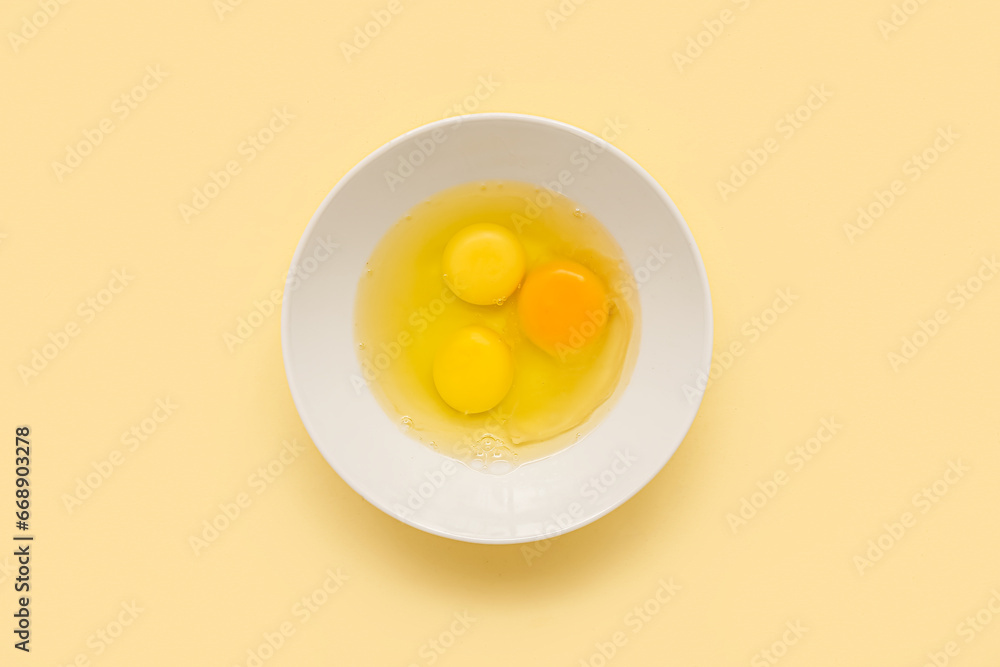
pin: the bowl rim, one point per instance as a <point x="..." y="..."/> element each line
<point x="702" y="275"/>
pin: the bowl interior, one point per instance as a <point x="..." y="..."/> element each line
<point x="420" y="486"/>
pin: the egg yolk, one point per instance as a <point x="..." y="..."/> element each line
<point x="562" y="307"/>
<point x="473" y="370"/>
<point x="483" y="263"/>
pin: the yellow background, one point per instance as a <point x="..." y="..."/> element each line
<point x="163" y="335"/>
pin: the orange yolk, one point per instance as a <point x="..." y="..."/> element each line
<point x="562" y="306"/>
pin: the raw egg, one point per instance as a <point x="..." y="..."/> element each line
<point x="562" y="306"/>
<point x="483" y="263"/>
<point x="496" y="322"/>
<point x="473" y="370"/>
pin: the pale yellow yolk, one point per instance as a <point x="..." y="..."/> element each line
<point x="473" y="370"/>
<point x="562" y="307"/>
<point x="483" y="263"/>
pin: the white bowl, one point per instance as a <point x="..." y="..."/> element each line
<point x="420" y="486"/>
